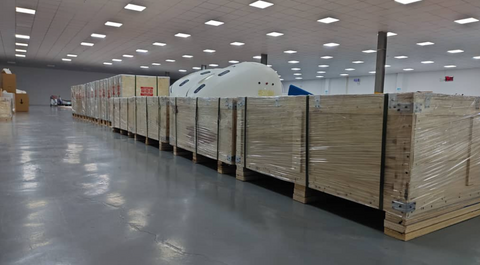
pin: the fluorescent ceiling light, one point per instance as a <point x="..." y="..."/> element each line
<point x="455" y="51"/>
<point x="298" y="78"/>
<point x="450" y="66"/>
<point x="324" y="66"/>
<point x="135" y="7"/>
<point x="476" y="57"/>
<point x="275" y="34"/>
<point x="182" y="35"/>
<point x="293" y="62"/>
<point x="321" y="72"/>
<point x="25" y="10"/>
<point x="21" y="44"/>
<point x="113" y="24"/>
<point x="170" y="60"/>
<point x="350" y="69"/>
<point x="427" y="62"/>
<point x="187" y="56"/>
<point x="128" y="56"/>
<point x="391" y="34"/>
<point x="72" y="55"/>
<point x="236" y="43"/>
<point x="401" y="57"/>
<point x="182" y="70"/>
<point x="408" y="69"/>
<point x="19" y="36"/>
<point x="20" y="50"/>
<point x="159" y="44"/>
<point x="233" y="61"/>
<point x="466" y="20"/>
<point x="372" y="72"/>
<point x="387" y="66"/>
<point x="141" y="51"/>
<point x="269" y="65"/>
<point x="87" y="44"/>
<point x="257" y="57"/>
<point x="156" y="64"/>
<point x="107" y="63"/>
<point x="343" y="74"/>
<point x="331" y="44"/>
<point x="319" y="76"/>
<point x="197" y="68"/>
<point x="297" y="74"/>
<point x="426" y="43"/>
<point x="117" y="60"/>
<point x="100" y="36"/>
<point x="66" y="60"/>
<point x="144" y="67"/>
<point x="290" y="52"/>
<point x="261" y="4"/>
<point x="326" y="57"/>
<point x="358" y="62"/>
<point x="281" y="79"/>
<point x="20" y="55"/>
<point x="328" y="20"/>
<point x="406" y="2"/>
<point x="213" y="65"/>
<point x="296" y="69"/>
<point x="214" y="23"/>
<point x="369" y="51"/>
<point x="209" y="51"/>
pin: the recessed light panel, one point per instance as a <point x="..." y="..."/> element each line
<point x="466" y="20"/>
<point x="197" y="68"/>
<point x="296" y="69"/>
<point x="215" y="23"/>
<point x="209" y="51"/>
<point x="133" y="7"/>
<point x="331" y="44"/>
<point x="128" y="56"/>
<point x="401" y="57"/>
<point x="391" y="34"/>
<point x="144" y="67"/>
<point x="326" y="57"/>
<point x="21" y="44"/>
<point x="170" y="60"/>
<point x="72" y="55"/>
<point x="290" y="52"/>
<point x="25" y="10"/>
<point x="20" y="50"/>
<point x="350" y="69"/>
<point x="369" y="51"/>
<point x="257" y="57"/>
<point x="298" y="78"/>
<point x="428" y="62"/>
<point x="182" y="35"/>
<point x="141" y="51"/>
<point x="261" y="4"/>
<point x="20" y="55"/>
<point x="319" y="76"/>
<point x="476" y="57"/>
<point x="19" y="36"/>
<point x="275" y="34"/>
<point x="343" y="74"/>
<point x="357" y="62"/>
<point x="107" y="63"/>
<point x="406" y="2"/>
<point x="328" y="20"/>
<point x="297" y="74"/>
<point x="187" y="56"/>
<point x="450" y="66"/>
<point x="387" y="66"/>
<point x="87" y="44"/>
<point x="100" y="36"/>
<point x="182" y="70"/>
<point x="425" y="43"/>
<point x="321" y="72"/>
<point x="117" y="60"/>
<point x="66" y="60"/>
<point x="455" y="51"/>
<point x="372" y="72"/>
<point x="233" y="61"/>
<point x="161" y="44"/>
<point x="113" y="24"/>
<point x="236" y="43"/>
<point x="213" y="65"/>
<point x="324" y="66"/>
<point x="408" y="69"/>
<point x="156" y="64"/>
<point x="293" y="62"/>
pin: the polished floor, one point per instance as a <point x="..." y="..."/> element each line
<point x="76" y="193"/>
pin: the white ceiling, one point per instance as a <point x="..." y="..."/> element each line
<point x="59" y="27"/>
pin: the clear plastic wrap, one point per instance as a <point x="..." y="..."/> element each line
<point x="6" y="108"/>
<point x="345" y="146"/>
<point x="132" y="115"/>
<point x="96" y="86"/>
<point x="272" y="139"/>
<point x="91" y="100"/>
<point x="432" y="155"/>
<point x="111" y="111"/>
<point x="153" y="118"/>
<point x="124" y="114"/>
<point x="172" y="106"/>
<point x="141" y="116"/>
<point x="165" y="119"/>
<point x="104" y="97"/>
<point x="83" y="98"/>
<point x="207" y="127"/>
<point x="185" y="125"/>
<point x="116" y="113"/>
<point x="73" y="98"/>
<point x="227" y="130"/>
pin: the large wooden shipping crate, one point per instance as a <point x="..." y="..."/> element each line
<point x="132" y="115"/>
<point x="432" y="163"/>
<point x="97" y="101"/>
<point x="146" y="86"/>
<point x="116" y="113"/>
<point x="165" y="119"/>
<point x="124" y="86"/>
<point x="153" y="118"/>
<point x="83" y="100"/>
<point x="227" y="130"/>
<point x="141" y="116"/>
<point x="105" y="100"/>
<point x="123" y="114"/>
<point x="91" y="100"/>
<point x="163" y="86"/>
<point x="345" y="146"/>
<point x="207" y="127"/>
<point x="271" y="138"/>
<point x="183" y="124"/>
<point x="111" y="111"/>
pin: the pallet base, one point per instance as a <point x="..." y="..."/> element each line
<point x="140" y="138"/>
<point x="224" y="168"/>
<point x="5" y="119"/>
<point x="130" y="135"/>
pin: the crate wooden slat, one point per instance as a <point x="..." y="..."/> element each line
<point x="207" y="127"/>
<point x="345" y="146"/>
<point x="227" y="131"/>
<point x="111" y="111"/>
<point x="141" y="116"/>
<point x="163" y="86"/>
<point x="431" y="158"/>
<point x="153" y="118"/>
<point x="184" y="123"/>
<point x="164" y="119"/>
<point x="132" y="115"/>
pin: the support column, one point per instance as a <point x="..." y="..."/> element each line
<point x="264" y="59"/>
<point x="204" y="67"/>
<point x="381" y="61"/>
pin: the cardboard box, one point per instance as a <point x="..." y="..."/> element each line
<point x="9" y="82"/>
<point x="21" y="103"/>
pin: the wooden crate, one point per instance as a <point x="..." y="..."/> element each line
<point x="271" y="139"/>
<point x="153" y="118"/>
<point x="163" y="86"/>
<point x="111" y="111"/>
<point x="172" y="106"/>
<point x="432" y="155"/>
<point x="165" y="119"/>
<point x="123" y="114"/>
<point x="132" y="116"/>
<point x="146" y="86"/>
<point x="227" y="131"/>
<point x="185" y="123"/>
<point x="141" y="116"/>
<point x="345" y="146"/>
<point x="207" y="127"/>
<point x="117" y="113"/>
<point x="124" y="86"/>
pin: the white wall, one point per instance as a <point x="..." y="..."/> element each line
<point x="41" y="83"/>
<point x="465" y="82"/>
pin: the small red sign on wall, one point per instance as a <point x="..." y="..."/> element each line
<point x="448" y="78"/>
<point x="146" y="91"/>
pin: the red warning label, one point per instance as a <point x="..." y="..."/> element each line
<point x="146" y="91"/>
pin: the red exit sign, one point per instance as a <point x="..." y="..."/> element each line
<point x="448" y="78"/>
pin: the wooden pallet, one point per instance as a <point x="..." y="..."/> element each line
<point x="222" y="168"/>
<point x="5" y="119"/>
<point x="140" y="138"/>
<point x="130" y="135"/>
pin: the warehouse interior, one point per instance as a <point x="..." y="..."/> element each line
<point x="239" y="132"/>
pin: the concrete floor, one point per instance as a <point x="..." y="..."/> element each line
<point x="75" y="193"/>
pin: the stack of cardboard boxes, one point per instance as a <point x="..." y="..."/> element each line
<point x="8" y="82"/>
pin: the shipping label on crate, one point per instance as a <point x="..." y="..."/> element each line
<point x="146" y="91"/>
